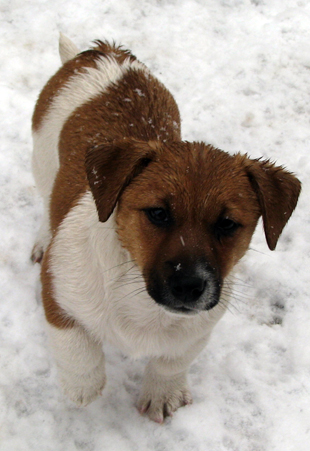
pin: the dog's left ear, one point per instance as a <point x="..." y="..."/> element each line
<point x="112" y="166"/>
<point x="277" y="191"/>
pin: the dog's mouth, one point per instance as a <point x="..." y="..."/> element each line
<point x="182" y="310"/>
<point x="189" y="311"/>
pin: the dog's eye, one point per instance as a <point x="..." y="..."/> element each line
<point x="158" y="216"/>
<point x="226" y="227"/>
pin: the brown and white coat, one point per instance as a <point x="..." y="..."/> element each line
<point x="107" y="148"/>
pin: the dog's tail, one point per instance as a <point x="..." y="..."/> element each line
<point x="67" y="50"/>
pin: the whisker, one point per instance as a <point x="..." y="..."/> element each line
<point x="240" y="289"/>
<point x="230" y="306"/>
<point x="132" y="273"/>
<point x="239" y="281"/>
<point x="131" y="276"/>
<point x="139" y="292"/>
<point x="236" y="299"/>
<point x="236" y="294"/>
<point x="124" y="274"/>
<point x="129" y="283"/>
<point x="237" y="288"/>
<point x="133" y="293"/>
<point x="120" y="264"/>
<point x="128" y="277"/>
<point x="259" y="252"/>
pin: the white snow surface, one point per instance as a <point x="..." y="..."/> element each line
<point x="240" y="72"/>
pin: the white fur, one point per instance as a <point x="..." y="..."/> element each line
<point x="96" y="283"/>
<point x="165" y="387"/>
<point x="67" y="50"/>
<point x="80" y="363"/>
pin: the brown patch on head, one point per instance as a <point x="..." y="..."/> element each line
<point x="192" y="208"/>
<point x="186" y="211"/>
<point x="201" y="188"/>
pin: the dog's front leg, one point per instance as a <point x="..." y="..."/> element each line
<point x="165" y="387"/>
<point x="80" y="362"/>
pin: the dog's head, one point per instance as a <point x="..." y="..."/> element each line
<point x="186" y="212"/>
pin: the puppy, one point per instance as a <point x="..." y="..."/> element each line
<point x="140" y="229"/>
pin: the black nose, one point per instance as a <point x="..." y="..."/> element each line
<point x="187" y="289"/>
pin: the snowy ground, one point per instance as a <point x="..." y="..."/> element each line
<point x="240" y="72"/>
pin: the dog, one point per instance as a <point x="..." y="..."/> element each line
<point x="140" y="229"/>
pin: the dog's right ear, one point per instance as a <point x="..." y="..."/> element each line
<point x="112" y="166"/>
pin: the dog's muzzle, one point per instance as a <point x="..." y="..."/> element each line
<point x="183" y="288"/>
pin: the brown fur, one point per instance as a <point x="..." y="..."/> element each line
<point x="107" y="117"/>
<point x="198" y="191"/>
<point x="200" y="185"/>
<point x="118" y="52"/>
<point x="125" y="145"/>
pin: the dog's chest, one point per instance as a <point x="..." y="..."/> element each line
<point x="95" y="282"/>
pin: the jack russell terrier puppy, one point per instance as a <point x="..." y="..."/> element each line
<point x="140" y="228"/>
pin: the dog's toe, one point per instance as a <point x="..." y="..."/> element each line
<point x="158" y="408"/>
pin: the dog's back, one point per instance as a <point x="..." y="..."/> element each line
<point x="97" y="96"/>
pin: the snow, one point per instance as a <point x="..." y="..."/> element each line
<point x="240" y="72"/>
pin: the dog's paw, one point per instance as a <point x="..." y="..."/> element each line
<point x="83" y="389"/>
<point x="160" y="399"/>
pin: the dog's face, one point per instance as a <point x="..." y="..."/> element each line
<point x="186" y="213"/>
<point x="186" y="220"/>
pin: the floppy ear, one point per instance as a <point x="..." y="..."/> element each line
<point x="277" y="191"/>
<point x="111" y="167"/>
